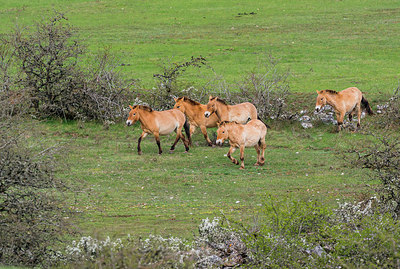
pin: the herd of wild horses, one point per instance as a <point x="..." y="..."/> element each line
<point x="237" y="123"/>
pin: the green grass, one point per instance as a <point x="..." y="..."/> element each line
<point x="121" y="192"/>
<point x="325" y="44"/>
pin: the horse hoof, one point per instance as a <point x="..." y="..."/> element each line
<point x="139" y="153"/>
<point x="241" y="168"/>
<point x="256" y="164"/>
<point x="170" y="152"/>
<point x="186" y="151"/>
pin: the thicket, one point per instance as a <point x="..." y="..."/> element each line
<point x="32" y="212"/>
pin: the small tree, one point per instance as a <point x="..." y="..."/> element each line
<point x="48" y="58"/>
<point x="167" y="88"/>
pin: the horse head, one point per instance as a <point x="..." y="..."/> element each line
<point x="321" y="101"/>
<point x="222" y="133"/>
<point x="179" y="104"/>
<point x="133" y="115"/>
<point x="211" y="106"/>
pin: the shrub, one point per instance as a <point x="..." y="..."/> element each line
<point x="105" y="95"/>
<point x="308" y="234"/>
<point x="393" y="108"/>
<point x="31" y="209"/>
<point x="49" y="61"/>
<point x="161" y="96"/>
<point x="382" y="158"/>
<point x="48" y="58"/>
<point x="267" y="89"/>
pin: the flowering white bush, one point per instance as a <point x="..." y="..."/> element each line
<point x="88" y="247"/>
<point x="347" y="212"/>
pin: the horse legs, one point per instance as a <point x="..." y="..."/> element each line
<point x="229" y="155"/>
<point x="143" y="135"/>
<point x="262" y="146"/>
<point x="181" y="136"/>
<point x="242" y="157"/>
<point x="359" y="115"/>
<point x="175" y="142"/>
<point x="157" y="137"/>
<point x="257" y="147"/>
<point x="204" y="131"/>
<point x="339" y="118"/>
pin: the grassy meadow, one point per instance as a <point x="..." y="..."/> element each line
<point x="324" y="44"/>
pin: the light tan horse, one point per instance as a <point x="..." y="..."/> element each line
<point x="346" y="101"/>
<point x="240" y="113"/>
<point x="243" y="135"/>
<point x="194" y="111"/>
<point x="159" y="123"/>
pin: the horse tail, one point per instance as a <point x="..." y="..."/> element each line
<point x="258" y="118"/>
<point x="366" y="105"/>
<point x="187" y="131"/>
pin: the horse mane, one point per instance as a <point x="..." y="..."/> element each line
<point x="219" y="100"/>
<point x="188" y="100"/>
<point x="146" y="108"/>
<point x="330" y="91"/>
<point x="228" y="122"/>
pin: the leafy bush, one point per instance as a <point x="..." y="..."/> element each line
<point x="31" y="209"/>
<point x="308" y="234"/>
<point x="49" y="61"/>
<point x="48" y="58"/>
<point x="392" y="113"/>
<point x="382" y="158"/>
<point x="267" y="89"/>
<point x="161" y="96"/>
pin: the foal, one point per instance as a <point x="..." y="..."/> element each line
<point x="159" y="123"/>
<point x="243" y="135"/>
<point x="240" y="113"/>
<point x="194" y="111"/>
<point x="346" y="101"/>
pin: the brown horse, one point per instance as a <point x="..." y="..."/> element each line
<point x="243" y="135"/>
<point x="159" y="123"/>
<point x="346" y="101"/>
<point x="194" y="111"/>
<point x="240" y="113"/>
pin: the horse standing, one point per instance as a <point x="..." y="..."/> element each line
<point x="159" y="123"/>
<point x="240" y="113"/>
<point x="194" y="111"/>
<point x="244" y="135"/>
<point x="346" y="101"/>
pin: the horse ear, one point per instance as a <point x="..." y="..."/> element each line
<point x="211" y="97"/>
<point x="175" y="99"/>
<point x="130" y="106"/>
<point x="318" y="91"/>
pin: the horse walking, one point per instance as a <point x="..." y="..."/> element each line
<point x="346" y="101"/>
<point x="194" y="111"/>
<point x="244" y="135"/>
<point x="159" y="123"/>
<point x="240" y="113"/>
